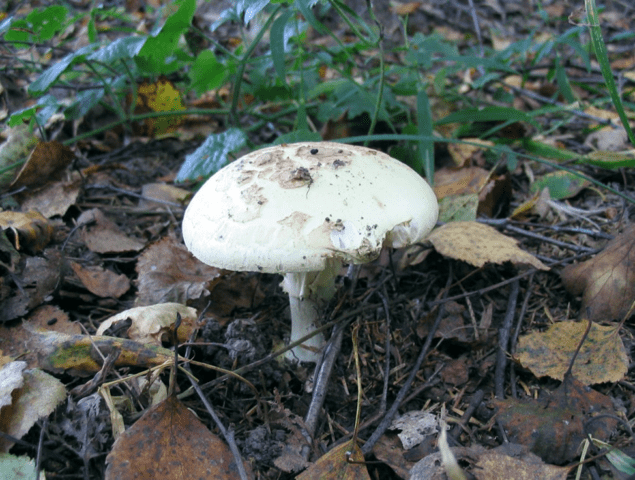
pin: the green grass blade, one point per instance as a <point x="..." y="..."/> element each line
<point x="602" y="56"/>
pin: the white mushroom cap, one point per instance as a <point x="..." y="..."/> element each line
<point x="290" y="208"/>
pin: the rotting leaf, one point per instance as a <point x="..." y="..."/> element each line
<point x="160" y="96"/>
<point x="554" y="425"/>
<point x="169" y="442"/>
<point x="478" y="244"/>
<point x="153" y="323"/>
<point x="80" y="354"/>
<point x="334" y="465"/>
<point x="607" y="281"/>
<point x="602" y="357"/>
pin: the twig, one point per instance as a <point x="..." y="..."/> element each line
<point x="503" y="341"/>
<point x="476" y="400"/>
<point x="512" y="346"/>
<point x="385" y="423"/>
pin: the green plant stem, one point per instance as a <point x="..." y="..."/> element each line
<point x="118" y="108"/>
<point x="243" y="63"/>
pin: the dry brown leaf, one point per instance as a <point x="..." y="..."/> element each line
<point x="606" y="282"/>
<point x="47" y="162"/>
<point x="162" y="192"/>
<point x="55" y="198"/>
<point x="154" y="323"/>
<point x="516" y="462"/>
<point x="463" y="154"/>
<point x="101" y="282"/>
<point x="602" y="357"/>
<point x="478" y="244"/>
<point x="167" y="272"/>
<point x="334" y="465"/>
<point x="169" y="442"/>
<point x="28" y="231"/>
<point x="103" y="236"/>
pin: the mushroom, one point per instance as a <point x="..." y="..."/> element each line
<point x="303" y="210"/>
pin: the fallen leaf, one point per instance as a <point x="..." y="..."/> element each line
<point x="414" y="426"/>
<point x="21" y="467"/>
<point x="478" y="244"/>
<point x="47" y="162"/>
<point x="602" y="357"/>
<point x="29" y="230"/>
<point x="163" y="193"/>
<point x="101" y="282"/>
<point x="560" y="184"/>
<point x="154" y="323"/>
<point x="464" y="154"/>
<point x="607" y="281"/>
<point x="458" y="208"/>
<point x="54" y="198"/>
<point x="103" y="236"/>
<point x="515" y="462"/>
<point x="38" y="279"/>
<point x="36" y="398"/>
<point x="335" y="465"/>
<point x="159" y="96"/>
<point x="553" y="426"/>
<point x="431" y="467"/>
<point x="169" y="442"/>
<point x="81" y="355"/>
<point x="167" y="272"/>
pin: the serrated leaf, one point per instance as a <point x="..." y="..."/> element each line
<point x="212" y="155"/>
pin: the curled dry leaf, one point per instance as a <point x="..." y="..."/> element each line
<point x="478" y="244"/>
<point x="602" y="357"/>
<point x="516" y="462"/>
<point x="606" y="282"/>
<point x="169" y="442"/>
<point x="28" y="231"/>
<point x="152" y="324"/>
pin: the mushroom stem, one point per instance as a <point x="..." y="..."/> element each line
<point x="308" y="293"/>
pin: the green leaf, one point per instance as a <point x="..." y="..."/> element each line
<point x="610" y="160"/>
<point x="47" y="22"/>
<point x="121" y="49"/>
<point x="251" y="8"/>
<point x="158" y="55"/>
<point x="561" y="184"/>
<point x="278" y="40"/>
<point x="51" y="74"/>
<point x="212" y="155"/>
<point x="207" y="73"/>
